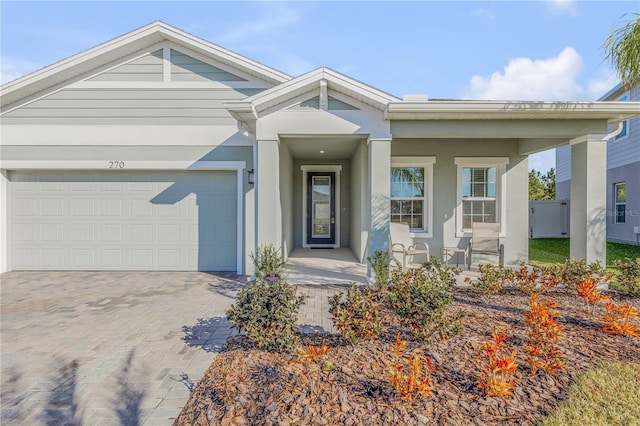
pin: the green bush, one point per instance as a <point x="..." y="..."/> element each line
<point x="493" y="278"/>
<point x="422" y="296"/>
<point x="573" y="272"/>
<point x="380" y="264"/>
<point x="629" y="276"/>
<point x="267" y="260"/>
<point x="358" y="316"/>
<point x="267" y="312"/>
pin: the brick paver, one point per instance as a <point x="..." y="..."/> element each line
<point x="116" y="347"/>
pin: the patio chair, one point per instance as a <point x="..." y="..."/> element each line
<point x="485" y="239"/>
<point x="402" y="243"/>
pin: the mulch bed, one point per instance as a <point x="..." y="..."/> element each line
<point x="245" y="385"/>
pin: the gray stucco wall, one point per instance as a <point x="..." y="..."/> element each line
<point x="359" y="203"/>
<point x="445" y="190"/>
<point x="286" y="198"/>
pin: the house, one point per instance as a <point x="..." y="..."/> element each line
<point x="622" y="174"/>
<point x="162" y="151"/>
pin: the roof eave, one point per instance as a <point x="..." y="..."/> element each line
<point x="485" y="110"/>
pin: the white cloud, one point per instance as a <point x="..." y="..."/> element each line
<point x="561" y="7"/>
<point x="553" y="79"/>
<point x="11" y="69"/>
<point x="268" y="36"/>
<point x="604" y="81"/>
<point x="481" y="12"/>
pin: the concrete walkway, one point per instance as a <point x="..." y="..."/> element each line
<point x="121" y="348"/>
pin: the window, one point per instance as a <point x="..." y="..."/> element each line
<point x="481" y="186"/>
<point x="411" y="189"/>
<point x="478" y="195"/>
<point x="620" y="202"/>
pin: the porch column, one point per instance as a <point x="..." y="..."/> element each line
<point x="267" y="187"/>
<point x="588" y="199"/>
<point x="379" y="192"/>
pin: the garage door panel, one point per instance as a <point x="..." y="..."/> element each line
<point x="126" y="221"/>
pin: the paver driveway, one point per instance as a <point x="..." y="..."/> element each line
<point x="108" y="347"/>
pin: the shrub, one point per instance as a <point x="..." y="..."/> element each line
<point x="543" y="333"/>
<point x="573" y="272"/>
<point x="629" y="276"/>
<point x="380" y="264"/>
<point x="267" y="312"/>
<point x="541" y="280"/>
<point x="357" y="316"/>
<point x="407" y="377"/>
<point x="616" y="320"/>
<point x="497" y="365"/>
<point x="588" y="290"/>
<point x="267" y="260"/>
<point x="493" y="278"/>
<point x="421" y="298"/>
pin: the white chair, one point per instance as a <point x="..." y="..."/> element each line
<point x="485" y="239"/>
<point x="402" y="243"/>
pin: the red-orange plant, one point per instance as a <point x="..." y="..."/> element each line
<point x="588" y="290"/>
<point x="414" y="382"/>
<point x="544" y="331"/>
<point x="497" y="366"/>
<point x="616" y="320"/>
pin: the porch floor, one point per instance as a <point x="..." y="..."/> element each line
<point x="324" y="266"/>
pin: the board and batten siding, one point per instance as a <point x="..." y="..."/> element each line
<point x="135" y="93"/>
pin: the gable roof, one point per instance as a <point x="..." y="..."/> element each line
<point x="249" y="109"/>
<point x="122" y="46"/>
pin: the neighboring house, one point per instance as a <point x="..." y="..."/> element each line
<point x="623" y="173"/>
<point x="161" y="151"/>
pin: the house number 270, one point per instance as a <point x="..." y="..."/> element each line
<point x="116" y="164"/>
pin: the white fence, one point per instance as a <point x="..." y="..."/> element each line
<point x="549" y="219"/>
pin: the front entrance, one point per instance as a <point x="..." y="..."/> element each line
<point x="321" y="208"/>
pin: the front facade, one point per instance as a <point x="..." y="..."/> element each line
<point x="623" y="173"/>
<point x="161" y="151"/>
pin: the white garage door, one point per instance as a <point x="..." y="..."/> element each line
<point x="124" y="221"/>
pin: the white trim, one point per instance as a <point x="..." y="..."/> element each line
<point x="427" y="163"/>
<point x="239" y="221"/>
<point x="500" y="163"/>
<point x="166" y="64"/>
<point x="115" y="166"/>
<point x="320" y="168"/>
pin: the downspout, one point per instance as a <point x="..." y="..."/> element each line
<point x="616" y="132"/>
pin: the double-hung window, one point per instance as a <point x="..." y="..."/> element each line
<point x="620" y="202"/>
<point x="481" y="188"/>
<point x="411" y="192"/>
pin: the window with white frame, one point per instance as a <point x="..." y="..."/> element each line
<point x="620" y="202"/>
<point x="411" y="192"/>
<point x="481" y="186"/>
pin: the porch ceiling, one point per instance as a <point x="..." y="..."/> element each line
<point x="335" y="148"/>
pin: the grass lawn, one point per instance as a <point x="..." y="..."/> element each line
<point x="556" y="250"/>
<point x="608" y="394"/>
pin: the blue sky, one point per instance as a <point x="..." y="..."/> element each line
<point x="525" y="50"/>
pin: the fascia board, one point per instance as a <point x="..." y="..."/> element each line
<point x="612" y="111"/>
